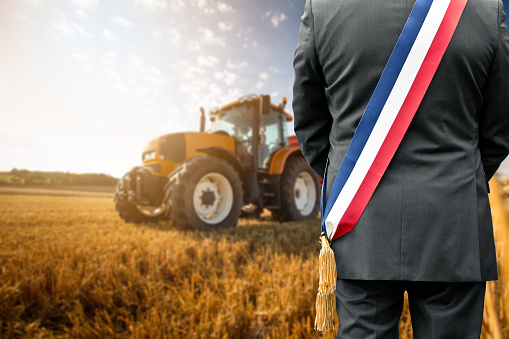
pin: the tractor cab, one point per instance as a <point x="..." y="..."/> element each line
<point x="238" y="120"/>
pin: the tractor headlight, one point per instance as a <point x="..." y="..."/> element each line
<point x="149" y="156"/>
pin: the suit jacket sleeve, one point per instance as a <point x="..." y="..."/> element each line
<point x="313" y="121"/>
<point x="494" y="119"/>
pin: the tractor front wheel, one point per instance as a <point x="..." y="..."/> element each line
<point x="205" y="193"/>
<point x="300" y="192"/>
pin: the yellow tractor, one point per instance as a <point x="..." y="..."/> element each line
<point x="206" y="180"/>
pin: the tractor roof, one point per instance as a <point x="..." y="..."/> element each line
<point x="248" y="99"/>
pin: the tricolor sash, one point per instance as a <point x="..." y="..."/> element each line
<point x="396" y="98"/>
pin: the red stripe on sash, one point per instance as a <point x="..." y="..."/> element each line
<point x="403" y="119"/>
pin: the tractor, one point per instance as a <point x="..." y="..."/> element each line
<point x="243" y="164"/>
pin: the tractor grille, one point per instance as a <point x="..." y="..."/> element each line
<point x="173" y="148"/>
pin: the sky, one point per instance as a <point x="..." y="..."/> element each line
<point x="85" y="84"/>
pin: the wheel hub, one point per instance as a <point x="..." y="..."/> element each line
<point x="207" y="198"/>
<point x="297" y="194"/>
<point x="304" y="193"/>
<point x="213" y="198"/>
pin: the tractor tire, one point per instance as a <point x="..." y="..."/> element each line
<point x="300" y="192"/>
<point x="130" y="212"/>
<point x="204" y="193"/>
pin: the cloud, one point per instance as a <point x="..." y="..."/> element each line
<point x="188" y="70"/>
<point x="109" y="34"/>
<point x="134" y="60"/>
<point x="109" y="57"/>
<point x="155" y="77"/>
<point x="192" y="72"/>
<point x="84" y="34"/>
<point x="209" y="37"/>
<point x="64" y="28"/>
<point x="251" y="43"/>
<point x="248" y="30"/>
<point x="210" y="6"/>
<point x="141" y="80"/>
<point x="235" y="64"/>
<point x="177" y="4"/>
<point x="71" y="29"/>
<point x="228" y="77"/>
<point x="86" y="4"/>
<point x="143" y="92"/>
<point x="153" y="5"/>
<point x="244" y="36"/>
<point x="193" y="45"/>
<point x="224" y="7"/>
<point x="264" y="76"/>
<point x="120" y="87"/>
<point x="276" y="18"/>
<point x="204" y="6"/>
<point x="122" y="22"/>
<point x="80" y="55"/>
<point x="274" y="69"/>
<point x="202" y="93"/>
<point x="24" y="19"/>
<point x="111" y="54"/>
<point x="81" y="14"/>
<point x="225" y="26"/>
<point x="207" y="61"/>
<point x="260" y="85"/>
<point x="156" y="34"/>
<point x="112" y="74"/>
<point x="174" y="36"/>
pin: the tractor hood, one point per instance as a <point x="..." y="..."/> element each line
<point x="178" y="147"/>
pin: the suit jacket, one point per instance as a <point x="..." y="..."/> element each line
<point x="429" y="218"/>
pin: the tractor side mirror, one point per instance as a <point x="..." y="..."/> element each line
<point x="264" y="104"/>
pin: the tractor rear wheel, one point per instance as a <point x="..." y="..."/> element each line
<point x="300" y="192"/>
<point x="204" y="193"/>
<point x="131" y="212"/>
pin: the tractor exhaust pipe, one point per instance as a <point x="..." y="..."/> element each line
<point x="202" y="120"/>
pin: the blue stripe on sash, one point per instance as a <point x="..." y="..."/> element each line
<point x="376" y="103"/>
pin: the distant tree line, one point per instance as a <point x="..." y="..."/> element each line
<point x="26" y="177"/>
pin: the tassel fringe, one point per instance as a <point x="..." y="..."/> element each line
<point x="324" y="320"/>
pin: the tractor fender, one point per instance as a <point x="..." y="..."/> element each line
<point x="230" y="158"/>
<point x="277" y="165"/>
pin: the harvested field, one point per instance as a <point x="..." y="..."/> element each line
<point x="69" y="267"/>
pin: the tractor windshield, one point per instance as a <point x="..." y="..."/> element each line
<point x="237" y="122"/>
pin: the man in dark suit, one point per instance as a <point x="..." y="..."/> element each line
<point x="427" y="228"/>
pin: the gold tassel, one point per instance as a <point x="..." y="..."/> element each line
<point x="324" y="320"/>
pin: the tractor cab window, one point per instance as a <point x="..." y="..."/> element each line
<point x="272" y="136"/>
<point x="237" y="122"/>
